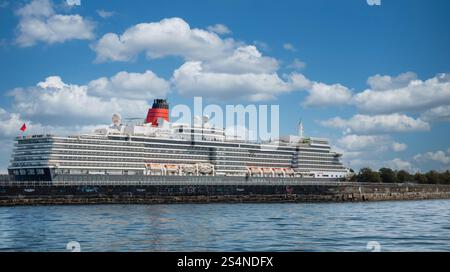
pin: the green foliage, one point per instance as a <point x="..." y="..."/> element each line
<point x="367" y="175"/>
<point x="387" y="175"/>
<point x="404" y="176"/>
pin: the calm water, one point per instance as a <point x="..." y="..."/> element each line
<point x="396" y="226"/>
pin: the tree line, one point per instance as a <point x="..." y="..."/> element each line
<point x="387" y="175"/>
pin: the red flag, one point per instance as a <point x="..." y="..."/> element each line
<point x="24" y="127"/>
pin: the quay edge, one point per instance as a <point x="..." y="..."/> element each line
<point x="70" y="194"/>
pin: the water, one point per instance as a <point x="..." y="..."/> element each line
<point x="396" y="226"/>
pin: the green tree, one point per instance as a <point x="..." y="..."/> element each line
<point x="388" y="175"/>
<point x="420" y="178"/>
<point x="445" y="177"/>
<point x="432" y="177"/>
<point x="404" y="176"/>
<point x="367" y="175"/>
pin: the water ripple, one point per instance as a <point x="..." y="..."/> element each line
<point x="397" y="226"/>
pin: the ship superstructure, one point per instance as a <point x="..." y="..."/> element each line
<point x="158" y="147"/>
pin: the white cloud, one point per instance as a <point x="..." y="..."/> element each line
<point x="321" y="94"/>
<point x="39" y="23"/>
<point x="289" y="47"/>
<point x="368" y="142"/>
<point x="169" y="37"/>
<point x="377" y="124"/>
<point x="104" y="13"/>
<point x="191" y="79"/>
<point x="297" y="64"/>
<point x="55" y="102"/>
<point x="398" y="147"/>
<point x="245" y="59"/>
<point x="382" y="83"/>
<point x="219" y="29"/>
<point x="73" y="2"/>
<point x="130" y="85"/>
<point x="262" y="45"/>
<point x="399" y="164"/>
<point x="10" y="123"/>
<point x="367" y="150"/>
<point x="404" y="93"/>
<point x="438" y="156"/>
<point x="441" y="113"/>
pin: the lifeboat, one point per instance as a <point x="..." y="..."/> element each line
<point x="205" y="168"/>
<point x="189" y="169"/>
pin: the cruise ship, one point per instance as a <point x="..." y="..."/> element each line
<point x="158" y="148"/>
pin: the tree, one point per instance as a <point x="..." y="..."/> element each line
<point x="404" y="176"/>
<point x="432" y="177"/>
<point x="387" y="175"/>
<point x="367" y="175"/>
<point x="445" y="177"/>
<point x="420" y="178"/>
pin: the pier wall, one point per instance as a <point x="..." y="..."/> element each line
<point x="224" y="193"/>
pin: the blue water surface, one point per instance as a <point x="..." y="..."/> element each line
<point x="394" y="226"/>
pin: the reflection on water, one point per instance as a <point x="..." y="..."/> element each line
<point x="397" y="226"/>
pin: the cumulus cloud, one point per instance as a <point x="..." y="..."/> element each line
<point x="262" y="45"/>
<point x="55" y="102"/>
<point x="441" y="113"/>
<point x="404" y="93"/>
<point x="39" y="23"/>
<point x="169" y="37"/>
<point x="10" y="123"/>
<point x="73" y="2"/>
<point x="130" y="85"/>
<point x="104" y="13"/>
<point x="399" y="164"/>
<point x="219" y="29"/>
<point x="321" y="94"/>
<point x="370" y="142"/>
<point x="297" y="64"/>
<point x="377" y="124"/>
<point x="289" y="47"/>
<point x="398" y="147"/>
<point x="438" y="156"/>
<point x="245" y="59"/>
<point x="382" y="83"/>
<point x="191" y="79"/>
<point x="367" y="150"/>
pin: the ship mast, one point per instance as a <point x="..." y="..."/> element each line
<point x="301" y="129"/>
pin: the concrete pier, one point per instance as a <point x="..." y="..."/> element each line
<point x="42" y="194"/>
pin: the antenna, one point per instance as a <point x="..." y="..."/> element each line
<point x="301" y="130"/>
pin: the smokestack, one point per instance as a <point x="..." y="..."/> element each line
<point x="160" y="109"/>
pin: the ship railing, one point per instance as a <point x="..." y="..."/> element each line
<point x="193" y="181"/>
<point x="165" y="182"/>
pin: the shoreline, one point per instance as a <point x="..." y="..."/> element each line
<point x="203" y="194"/>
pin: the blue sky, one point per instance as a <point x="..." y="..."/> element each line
<point x="373" y="79"/>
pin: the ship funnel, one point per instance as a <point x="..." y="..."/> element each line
<point x="160" y="109"/>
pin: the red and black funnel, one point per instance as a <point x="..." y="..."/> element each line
<point x="160" y="109"/>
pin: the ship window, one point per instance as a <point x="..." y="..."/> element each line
<point x="31" y="172"/>
<point x="23" y="172"/>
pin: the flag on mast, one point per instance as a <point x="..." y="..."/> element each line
<point x="24" y="127"/>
